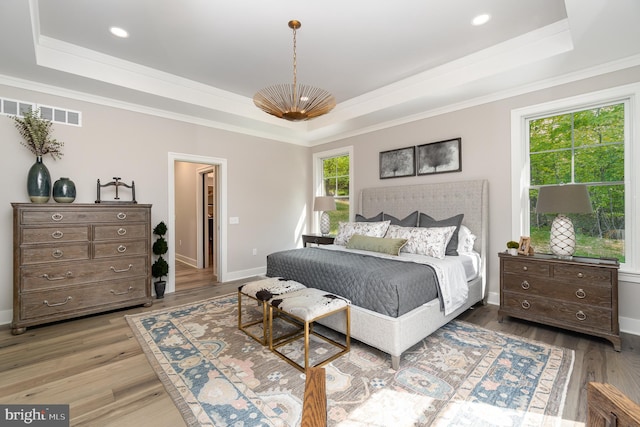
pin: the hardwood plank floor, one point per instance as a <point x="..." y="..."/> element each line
<point x="95" y="364"/>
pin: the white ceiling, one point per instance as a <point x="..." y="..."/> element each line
<point x="386" y="63"/>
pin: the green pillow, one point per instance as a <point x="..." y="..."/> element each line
<point x="376" y="244"/>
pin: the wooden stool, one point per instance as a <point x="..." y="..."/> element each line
<point x="306" y="306"/>
<point x="263" y="291"/>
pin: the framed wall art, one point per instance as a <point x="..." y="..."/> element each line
<point x="398" y="163"/>
<point x="440" y="157"/>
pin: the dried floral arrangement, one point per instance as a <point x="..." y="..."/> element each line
<point x="36" y="133"/>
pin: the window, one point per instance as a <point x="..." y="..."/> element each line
<point x="333" y="178"/>
<point x="585" y="140"/>
<point x="581" y="147"/>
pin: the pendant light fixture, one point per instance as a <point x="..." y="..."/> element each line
<point x="294" y="102"/>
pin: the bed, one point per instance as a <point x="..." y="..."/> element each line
<point x="381" y="324"/>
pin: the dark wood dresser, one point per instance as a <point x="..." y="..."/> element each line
<point x="579" y="294"/>
<point x="71" y="260"/>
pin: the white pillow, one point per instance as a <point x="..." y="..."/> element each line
<point x="422" y="240"/>
<point x="466" y="240"/>
<point x="348" y="229"/>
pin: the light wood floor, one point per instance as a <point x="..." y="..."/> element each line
<point x="96" y="365"/>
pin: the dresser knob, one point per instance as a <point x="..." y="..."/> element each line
<point x="67" y="275"/>
<point x="122" y="249"/>
<point x="580" y="293"/>
<point x="581" y="316"/>
<point x="121" y="215"/>
<point x="525" y="268"/>
<point x="57" y="217"/>
<point x="57" y="234"/>
<point x="122" y="231"/>
<point x="526" y="305"/>
<point x="57" y="253"/>
<point x="525" y="285"/>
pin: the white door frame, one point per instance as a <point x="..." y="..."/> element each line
<point x="202" y="260"/>
<point x="221" y="212"/>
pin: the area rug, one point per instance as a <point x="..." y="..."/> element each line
<point x="460" y="375"/>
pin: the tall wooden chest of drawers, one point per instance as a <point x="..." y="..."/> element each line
<point x="579" y="294"/>
<point x="71" y="260"/>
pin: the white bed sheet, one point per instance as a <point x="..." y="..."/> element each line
<point x="451" y="272"/>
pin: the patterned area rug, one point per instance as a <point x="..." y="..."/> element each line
<point x="460" y="375"/>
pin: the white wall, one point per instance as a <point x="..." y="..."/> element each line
<point x="268" y="181"/>
<point x="486" y="140"/>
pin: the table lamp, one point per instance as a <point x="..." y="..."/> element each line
<point x="324" y="204"/>
<point x="563" y="199"/>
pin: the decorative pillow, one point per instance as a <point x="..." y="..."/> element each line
<point x="466" y="239"/>
<point x="348" y="229"/>
<point x="376" y="244"/>
<point x="423" y="241"/>
<point x="377" y="218"/>
<point x="427" y="221"/>
<point x="410" y="221"/>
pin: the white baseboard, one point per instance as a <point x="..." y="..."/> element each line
<point x="186" y="260"/>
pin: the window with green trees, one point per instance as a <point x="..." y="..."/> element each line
<point x="586" y="147"/>
<point x="335" y="182"/>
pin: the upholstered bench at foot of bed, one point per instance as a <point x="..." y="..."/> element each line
<point x="263" y="291"/>
<point x="306" y="306"/>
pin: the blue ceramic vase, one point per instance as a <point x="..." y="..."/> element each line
<point x="64" y="191"/>
<point x="39" y="182"/>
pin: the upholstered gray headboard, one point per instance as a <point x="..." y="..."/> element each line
<point x="440" y="201"/>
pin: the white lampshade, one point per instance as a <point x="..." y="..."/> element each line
<point x="324" y="203"/>
<point x="561" y="199"/>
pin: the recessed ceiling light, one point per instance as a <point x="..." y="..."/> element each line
<point x="481" y="19"/>
<point x="119" y="32"/>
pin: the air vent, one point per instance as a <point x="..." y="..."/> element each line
<point x="11" y="107"/>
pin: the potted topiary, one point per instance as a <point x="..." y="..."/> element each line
<point x="512" y="247"/>
<point x="160" y="268"/>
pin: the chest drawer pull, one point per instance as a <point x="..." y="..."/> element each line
<point x="121" y="215"/>
<point x="580" y="293"/>
<point x="525" y="285"/>
<point x="57" y="253"/>
<point x="57" y="216"/>
<point x="123" y="270"/>
<point x="122" y="231"/>
<point x="122" y="248"/>
<point x="67" y="275"/>
<point x="526" y="305"/>
<point x="57" y="234"/>
<point x="525" y="268"/>
<point x="581" y="316"/>
<point x="580" y="275"/>
<point x="45" y="302"/>
<point x="122" y="293"/>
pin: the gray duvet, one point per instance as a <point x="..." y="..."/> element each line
<point x="385" y="286"/>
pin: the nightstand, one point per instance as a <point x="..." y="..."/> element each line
<point x="317" y="239"/>
<point x="580" y="294"/>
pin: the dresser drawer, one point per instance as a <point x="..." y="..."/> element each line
<point x="522" y="266"/>
<point x="80" y="297"/>
<point x="123" y="248"/>
<point x="38" y="254"/>
<point x="558" y="312"/>
<point x="582" y="275"/>
<point x="93" y="215"/>
<point x="120" y="231"/>
<point x="55" y="234"/>
<point x="37" y="277"/>
<point x="569" y="292"/>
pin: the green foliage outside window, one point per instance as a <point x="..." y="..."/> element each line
<point x="584" y="147"/>
<point x="335" y="179"/>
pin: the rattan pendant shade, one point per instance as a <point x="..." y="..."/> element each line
<point x="294" y="102"/>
